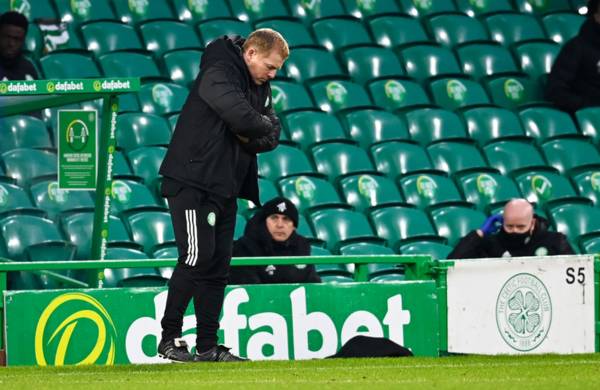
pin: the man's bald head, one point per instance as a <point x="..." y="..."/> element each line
<point x="518" y="216"/>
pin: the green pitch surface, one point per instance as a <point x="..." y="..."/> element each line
<point x="525" y="372"/>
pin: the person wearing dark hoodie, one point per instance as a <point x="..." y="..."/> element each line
<point x="272" y="232"/>
<point x="13" y="64"/>
<point x="574" y="81"/>
<point x="518" y="232"/>
<point x="210" y="162"/>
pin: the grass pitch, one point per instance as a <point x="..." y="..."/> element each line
<point x="499" y="372"/>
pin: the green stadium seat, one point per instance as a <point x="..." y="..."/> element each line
<point x="368" y="127"/>
<point x="83" y="11"/>
<point x="544" y="123"/>
<point x="576" y="220"/>
<point x="130" y="277"/>
<point x="368" y="9"/>
<point x="336" y="279"/>
<point x="397" y="30"/>
<point x="128" y="64"/>
<point x="103" y="37"/>
<point x="568" y="155"/>
<point x="135" y="130"/>
<point x="128" y="102"/>
<point x="25" y="165"/>
<point x="587" y="183"/>
<point x="590" y="246"/>
<point x="427" y="125"/>
<point x="31" y="9"/>
<point x="588" y="121"/>
<point x="512" y="91"/>
<point x="162" y="98"/>
<point x="454" y="156"/>
<point x="69" y="65"/>
<point x="183" y="65"/>
<point x="288" y="96"/>
<point x="195" y="11"/>
<point x="579" y="6"/>
<point x="282" y="162"/>
<point x="424" y="190"/>
<point x="536" y="58"/>
<point x="337" y="95"/>
<point x="395" y="158"/>
<point x="47" y="196"/>
<point x="455" y="222"/>
<point x="295" y="33"/>
<point x="267" y="190"/>
<point x="121" y="167"/>
<point x="484" y="7"/>
<point x="310" y="193"/>
<point x="384" y="272"/>
<point x="335" y="160"/>
<point x="328" y="270"/>
<point x="509" y="28"/>
<point x="338" y="226"/>
<point x="542" y="7"/>
<point x="173" y="121"/>
<point x="78" y="229"/>
<point x="23" y="131"/>
<point x="145" y="162"/>
<point x="129" y="196"/>
<point x="509" y="156"/>
<point x="338" y="33"/>
<point x="151" y="229"/>
<point x="453" y="29"/>
<point x="253" y="11"/>
<point x="363" y="192"/>
<point x="240" y="225"/>
<point x="398" y="225"/>
<point x="308" y="128"/>
<point x="165" y="35"/>
<point x="214" y="28"/>
<point x="429" y="60"/>
<point x="15" y="200"/>
<point x="142" y="11"/>
<point x="308" y="63"/>
<point x="307" y="11"/>
<point x="434" y="249"/>
<point x="367" y="63"/>
<point x="542" y="186"/>
<point x="562" y="26"/>
<point x="479" y="60"/>
<point x="455" y="93"/>
<point x="32" y="238"/>
<point x="34" y="43"/>
<point x="488" y="190"/>
<point x="425" y="7"/>
<point x="397" y="94"/>
<point x="318" y="251"/>
<point x="488" y="124"/>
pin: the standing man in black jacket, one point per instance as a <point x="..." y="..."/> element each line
<point x="211" y="161"/>
<point x="518" y="232"/>
<point x="574" y="81"/>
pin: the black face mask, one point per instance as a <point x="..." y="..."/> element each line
<point x="514" y="240"/>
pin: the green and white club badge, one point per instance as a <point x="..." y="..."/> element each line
<point x="366" y="5"/>
<point x="81" y="8"/>
<point x="121" y="191"/>
<point x="56" y="194"/>
<point x="486" y="185"/>
<point x="479" y="4"/>
<point x="22" y="7"/>
<point x="367" y="187"/>
<point x="456" y="90"/>
<point x="313" y="6"/>
<point x="198" y="7"/>
<point x="514" y="90"/>
<point x="255" y="6"/>
<point x="542" y="187"/>
<point x="278" y="98"/>
<point x="423" y="5"/>
<point x="336" y="93"/>
<point x="426" y="187"/>
<point x="305" y="188"/>
<point x="138" y="7"/>
<point x="523" y="312"/>
<point x="162" y="95"/>
<point x="211" y="218"/>
<point x="394" y="91"/>
<point x="595" y="181"/>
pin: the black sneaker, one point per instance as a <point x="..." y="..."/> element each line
<point x="175" y="350"/>
<point x="218" y="354"/>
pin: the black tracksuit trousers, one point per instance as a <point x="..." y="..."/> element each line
<point x="204" y="227"/>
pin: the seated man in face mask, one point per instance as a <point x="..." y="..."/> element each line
<point x="518" y="232"/>
<point x="272" y="232"/>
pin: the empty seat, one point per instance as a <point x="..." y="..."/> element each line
<point x="337" y="95"/>
<point x="15" y="200"/>
<point x="428" y="60"/>
<point x="252" y="11"/>
<point x="138" y="129"/>
<point x="108" y="36"/>
<point x="576" y="220"/>
<point x="309" y="193"/>
<point x="560" y="27"/>
<point x="308" y="128"/>
<point x="369" y="191"/>
<point x="427" y="125"/>
<point x="183" y="65"/>
<point x="128" y="64"/>
<point x="541" y="186"/>
<point x="366" y="9"/>
<point x="455" y="222"/>
<point x="509" y="28"/>
<point x="368" y="63"/>
<point x="308" y="11"/>
<point x="397" y="224"/>
<point x="485" y="59"/>
<point x="295" y="33"/>
<point x="544" y="123"/>
<point x="69" y="65"/>
<point x="31" y="9"/>
<point x="214" y="28"/>
<point x="588" y="121"/>
<point x="162" y="98"/>
<point x="455" y="93"/>
<point x="195" y="11"/>
<point x="454" y="29"/>
<point x="308" y="63"/>
<point x="424" y="8"/>
<point x="25" y="165"/>
<point x="151" y="229"/>
<point x="480" y="8"/>
<point x="536" y="58"/>
<point x="128" y="196"/>
<point x="508" y="156"/>
<point x="487" y="124"/>
<point x="368" y="127"/>
<point x="397" y="30"/>
<point x="512" y="91"/>
<point x="47" y="196"/>
<point x="23" y="131"/>
<point x="453" y="157"/>
<point x="397" y="94"/>
<point x="130" y="277"/>
<point x="165" y="35"/>
<point x="140" y="11"/>
<point x="338" y="33"/>
<point x="587" y="183"/>
<point x="395" y="158"/>
<point x="571" y="154"/>
<point x="487" y="190"/>
<point x="338" y="159"/>
<point x="542" y="7"/>
<point x="434" y="249"/>
<point x="284" y="161"/>
<point x="424" y="190"/>
<point x="145" y="162"/>
<point x="287" y="96"/>
<point x="336" y="227"/>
